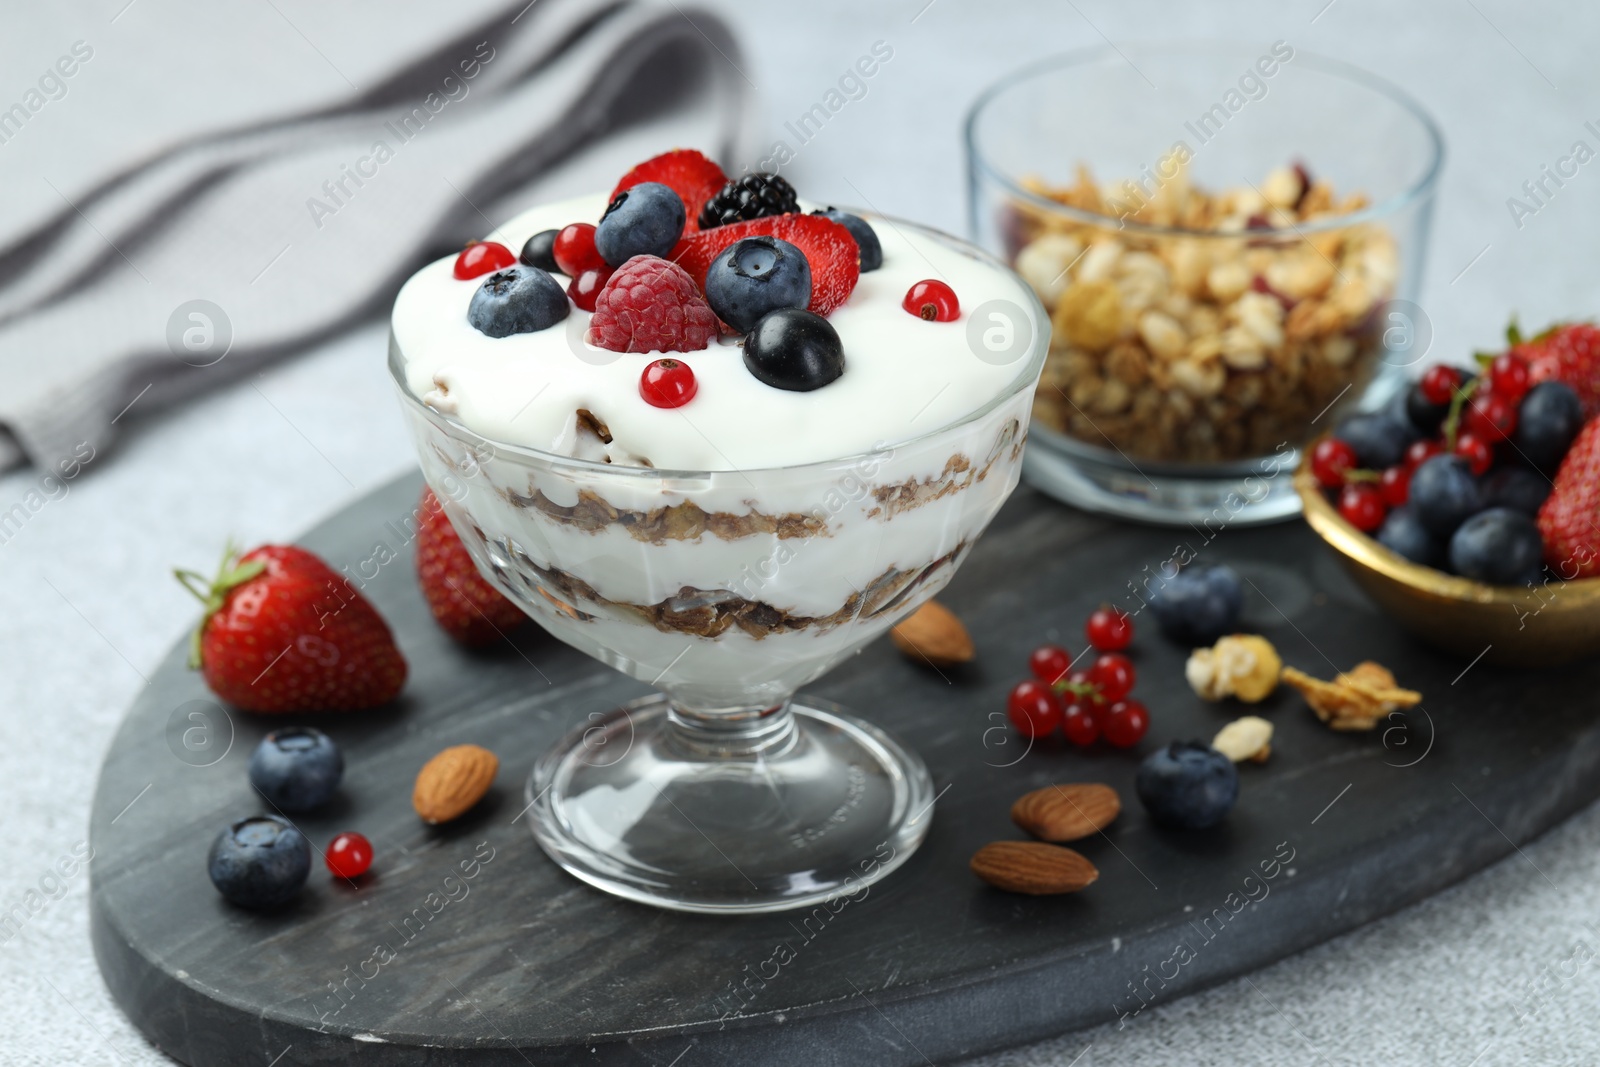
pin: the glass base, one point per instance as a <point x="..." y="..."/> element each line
<point x="1207" y="497"/>
<point x="784" y="809"/>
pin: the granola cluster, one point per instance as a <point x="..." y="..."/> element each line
<point x="1203" y="347"/>
<point x="1356" y="699"/>
<point x="1245" y="666"/>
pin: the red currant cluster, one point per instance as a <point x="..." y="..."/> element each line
<point x="1482" y="416"/>
<point x="1086" y="704"/>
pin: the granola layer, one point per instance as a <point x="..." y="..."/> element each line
<point x="713" y="612"/>
<point x="958" y="474"/>
<point x="676" y="522"/>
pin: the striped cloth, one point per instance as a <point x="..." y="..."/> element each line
<point x="162" y="274"/>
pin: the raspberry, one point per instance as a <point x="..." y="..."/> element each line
<point x="651" y="305"/>
<point x="753" y="196"/>
<point x="834" y="256"/>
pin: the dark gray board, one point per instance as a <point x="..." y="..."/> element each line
<point x="529" y="966"/>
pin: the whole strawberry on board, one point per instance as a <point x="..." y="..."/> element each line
<point x="1569" y="520"/>
<point x="1567" y="352"/>
<point x="284" y="632"/>
<point x="463" y="602"/>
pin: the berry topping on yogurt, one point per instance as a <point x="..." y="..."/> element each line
<point x="568" y="347"/>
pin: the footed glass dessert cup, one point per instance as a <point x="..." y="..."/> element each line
<point x="727" y="591"/>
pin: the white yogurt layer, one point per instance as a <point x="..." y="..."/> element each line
<point x="903" y="376"/>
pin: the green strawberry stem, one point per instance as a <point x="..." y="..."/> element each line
<point x="212" y="592"/>
<point x="1361" y="474"/>
<point x="1452" y="421"/>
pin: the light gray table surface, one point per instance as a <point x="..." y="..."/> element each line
<point x="1496" y="971"/>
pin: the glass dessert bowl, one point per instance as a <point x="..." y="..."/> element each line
<point x="1229" y="255"/>
<point x="729" y="586"/>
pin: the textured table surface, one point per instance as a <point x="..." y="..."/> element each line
<point x="1497" y="971"/>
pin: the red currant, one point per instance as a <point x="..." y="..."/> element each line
<point x="1439" y="383"/>
<point x="1489" y="416"/>
<point x="1330" y="460"/>
<point x="1395" y="485"/>
<point x="1108" y="629"/>
<point x="1033" y="709"/>
<point x="1508" y="377"/>
<point x="1113" y="675"/>
<point x="1126" y="723"/>
<point x="931" y="300"/>
<point x="349" y="855"/>
<point x="1050" y="663"/>
<point x="668" y="383"/>
<point x="1082" y="687"/>
<point x="1361" y="504"/>
<point x="1420" y="452"/>
<point x="585" y="288"/>
<point x="1476" y="451"/>
<point x="574" y="250"/>
<point x="481" y="257"/>
<point x="1081" y="725"/>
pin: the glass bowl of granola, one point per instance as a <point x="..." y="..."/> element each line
<point x="1229" y="239"/>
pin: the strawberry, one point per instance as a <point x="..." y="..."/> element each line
<point x="1568" y="353"/>
<point x="686" y="172"/>
<point x="833" y="254"/>
<point x="1570" y="517"/>
<point x="462" y="601"/>
<point x="284" y="632"/>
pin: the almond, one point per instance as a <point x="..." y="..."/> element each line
<point x="1032" y="867"/>
<point x="1066" y="812"/>
<point x="451" y="782"/>
<point x="933" y="634"/>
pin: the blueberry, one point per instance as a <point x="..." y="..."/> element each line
<point x="1425" y="416"/>
<point x="1514" y="487"/>
<point x="539" y="251"/>
<point x="517" y="300"/>
<point x="866" y="239"/>
<point x="259" y="862"/>
<point x="1379" y="441"/>
<point x="1550" y="417"/>
<point x="1498" y="546"/>
<point x="296" y="769"/>
<point x="1198" y="604"/>
<point x="1397" y="411"/>
<point x="792" y="348"/>
<point x="1445" y="494"/>
<point x="754" y="276"/>
<point x="644" y="220"/>
<point x="1402" y="532"/>
<point x="1188" y="784"/>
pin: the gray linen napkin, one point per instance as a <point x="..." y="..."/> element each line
<point x="198" y="265"/>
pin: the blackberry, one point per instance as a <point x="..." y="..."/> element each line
<point x="754" y="196"/>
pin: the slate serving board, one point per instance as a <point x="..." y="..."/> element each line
<point x="467" y="946"/>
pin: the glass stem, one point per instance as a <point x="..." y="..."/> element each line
<point x="730" y="733"/>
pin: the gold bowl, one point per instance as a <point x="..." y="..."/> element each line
<point x="1507" y="625"/>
